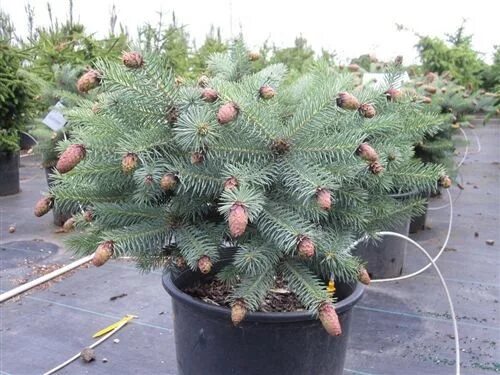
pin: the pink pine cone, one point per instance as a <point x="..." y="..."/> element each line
<point x="71" y="157"/>
<point x="306" y="247"/>
<point x="238" y="220"/>
<point x="324" y="199"/>
<point x="231" y="183"/>
<point x="367" y="152"/>
<point x="132" y="60"/>
<point x="393" y="94"/>
<point x="330" y="320"/>
<point x="227" y="113"/>
<point x="209" y="95"/>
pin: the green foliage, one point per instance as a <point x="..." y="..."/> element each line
<point x="459" y="59"/>
<point x="490" y="75"/>
<point x="279" y="151"/>
<point x="63" y="90"/>
<point x="298" y="58"/>
<point x="69" y="45"/>
<point x="16" y="94"/>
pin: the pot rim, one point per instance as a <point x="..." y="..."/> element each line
<point x="261" y="317"/>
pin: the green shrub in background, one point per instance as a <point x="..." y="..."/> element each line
<point x="16" y="96"/>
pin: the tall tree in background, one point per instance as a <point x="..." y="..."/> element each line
<point x="298" y="58"/>
<point x="455" y="56"/>
<point x="213" y="44"/>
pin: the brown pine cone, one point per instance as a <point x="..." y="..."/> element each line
<point x="367" y="110"/>
<point x="347" y="101"/>
<point x="103" y="253"/>
<point x="132" y="60"/>
<point x="205" y="264"/>
<point x="43" y="206"/>
<point x="238" y="312"/>
<point x="88" y="81"/>
<point x="71" y="157"/>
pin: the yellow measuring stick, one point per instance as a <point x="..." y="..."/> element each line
<point x="113" y="326"/>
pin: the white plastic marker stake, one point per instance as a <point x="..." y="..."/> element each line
<point x="452" y="310"/>
<point x="23" y="288"/>
<point x="120" y="324"/>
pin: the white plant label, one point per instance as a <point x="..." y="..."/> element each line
<point x="55" y="119"/>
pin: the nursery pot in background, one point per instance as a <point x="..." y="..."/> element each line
<point x="386" y="258"/>
<point x="9" y="173"/>
<point x="60" y="217"/>
<point x="418" y="222"/>
<point x="264" y="343"/>
<point x="26" y="141"/>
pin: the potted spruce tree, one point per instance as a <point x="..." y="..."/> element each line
<point x="250" y="192"/>
<point x="15" y="102"/>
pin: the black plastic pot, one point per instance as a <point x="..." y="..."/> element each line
<point x="9" y="173"/>
<point x="418" y="222"/>
<point x="60" y="217"/>
<point x="386" y="258"/>
<point x="263" y="344"/>
<point x="26" y="141"/>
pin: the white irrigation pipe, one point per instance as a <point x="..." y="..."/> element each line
<point x="466" y="152"/>
<point x="477" y="142"/>
<point x="23" y="288"/>
<point x="452" y="310"/>
<point x="450" y="224"/>
<point x="76" y="356"/>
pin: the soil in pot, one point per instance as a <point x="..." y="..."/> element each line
<point x="214" y="291"/>
<point x="9" y="172"/>
<point x="264" y="343"/>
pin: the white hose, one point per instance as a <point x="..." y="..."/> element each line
<point x="23" y="288"/>
<point x="478" y="143"/>
<point x="450" y="224"/>
<point x="76" y="356"/>
<point x="466" y="152"/>
<point x="452" y="310"/>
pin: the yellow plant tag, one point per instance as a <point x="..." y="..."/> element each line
<point x="113" y="326"/>
<point x="330" y="288"/>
